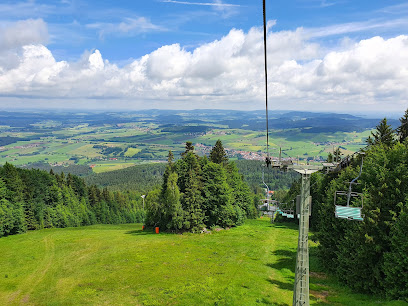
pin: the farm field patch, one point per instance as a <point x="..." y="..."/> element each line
<point x="105" y="167"/>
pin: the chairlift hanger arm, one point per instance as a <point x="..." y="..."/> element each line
<point x="349" y="194"/>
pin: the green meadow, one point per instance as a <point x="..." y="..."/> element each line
<point x="122" y="265"/>
<point x="110" y="166"/>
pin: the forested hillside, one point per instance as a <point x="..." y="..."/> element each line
<point x="141" y="178"/>
<point x="372" y="255"/>
<point x="144" y="178"/>
<point x="35" y="199"/>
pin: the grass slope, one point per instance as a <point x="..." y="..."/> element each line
<point x="120" y="264"/>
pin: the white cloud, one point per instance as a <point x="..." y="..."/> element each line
<point x="217" y="3"/>
<point x="96" y="61"/>
<point x="225" y="73"/>
<point x="13" y="36"/>
<point x="129" y="26"/>
<point x="225" y="10"/>
<point x="25" y="9"/>
<point x="20" y="33"/>
<point x="353" y="27"/>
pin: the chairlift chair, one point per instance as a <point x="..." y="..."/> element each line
<point x="286" y="210"/>
<point x="267" y="202"/>
<point x="268" y="205"/>
<point x="327" y="167"/>
<point x="280" y="164"/>
<point x="349" y="212"/>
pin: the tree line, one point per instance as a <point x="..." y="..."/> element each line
<point x="200" y="192"/>
<point x="35" y="199"/>
<point x="369" y="256"/>
<point x="146" y="177"/>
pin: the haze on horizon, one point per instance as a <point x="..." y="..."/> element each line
<point x="326" y="56"/>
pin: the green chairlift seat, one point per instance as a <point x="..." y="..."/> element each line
<point x="348" y="212"/>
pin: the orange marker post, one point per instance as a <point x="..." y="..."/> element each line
<point x="157" y="230"/>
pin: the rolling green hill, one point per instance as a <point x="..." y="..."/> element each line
<point x="123" y="265"/>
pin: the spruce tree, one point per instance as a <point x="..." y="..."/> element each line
<point x="170" y="158"/>
<point x="218" y="197"/>
<point x="383" y="134"/>
<point x="169" y="169"/>
<point x="241" y="194"/>
<point x="217" y="154"/>
<point x="171" y="201"/>
<point x="189" y="148"/>
<point x="330" y="157"/>
<point x="189" y="162"/>
<point x="192" y="202"/>
<point x="337" y="154"/>
<point x="403" y="128"/>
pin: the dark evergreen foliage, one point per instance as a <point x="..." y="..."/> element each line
<point x="197" y="193"/>
<point x="402" y="130"/>
<point x="35" y="199"/>
<point x="217" y="154"/>
<point x="330" y="157"/>
<point x="358" y="252"/>
<point x="383" y="134"/>
<point x="371" y="255"/>
<point x="337" y="154"/>
<point x="140" y="178"/>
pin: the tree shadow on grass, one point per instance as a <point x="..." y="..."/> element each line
<point x="141" y="232"/>
<point x="285" y="225"/>
<point x="266" y="302"/>
<point x="282" y="285"/>
<point x="287" y="260"/>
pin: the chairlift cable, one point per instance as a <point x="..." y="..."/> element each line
<point x="268" y="161"/>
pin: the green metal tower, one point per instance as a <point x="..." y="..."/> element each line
<point x="301" y="286"/>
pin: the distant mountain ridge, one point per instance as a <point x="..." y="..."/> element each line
<point x="169" y="119"/>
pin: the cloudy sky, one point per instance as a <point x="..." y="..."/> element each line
<point x="323" y="55"/>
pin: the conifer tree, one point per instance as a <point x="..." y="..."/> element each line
<point x="171" y="201"/>
<point x="218" y="196"/>
<point x="240" y="193"/>
<point x="383" y="134"/>
<point x="189" y="162"/>
<point x="403" y="128"/>
<point x="337" y="154"/>
<point x="167" y="171"/>
<point x="170" y="158"/>
<point x="13" y="182"/>
<point x="192" y="202"/>
<point x="189" y="147"/>
<point x="217" y="154"/>
<point x="330" y="157"/>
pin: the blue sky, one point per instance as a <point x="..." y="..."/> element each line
<point x="195" y="54"/>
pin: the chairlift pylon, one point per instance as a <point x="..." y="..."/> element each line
<point x="350" y="212"/>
